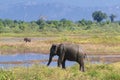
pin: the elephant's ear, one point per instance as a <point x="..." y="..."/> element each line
<point x="62" y="52"/>
<point x="53" y="49"/>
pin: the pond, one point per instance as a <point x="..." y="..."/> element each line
<point x="8" y="61"/>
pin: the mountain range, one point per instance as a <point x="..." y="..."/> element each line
<point x="30" y="11"/>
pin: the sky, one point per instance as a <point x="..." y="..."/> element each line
<point x="90" y="3"/>
<point x="83" y="3"/>
<point x="112" y="5"/>
<point x="100" y="2"/>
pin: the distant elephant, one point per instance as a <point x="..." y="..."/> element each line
<point x="27" y="39"/>
<point x="71" y="52"/>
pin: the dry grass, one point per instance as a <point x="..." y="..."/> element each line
<point x="101" y="49"/>
<point x="21" y="47"/>
<point x="90" y="45"/>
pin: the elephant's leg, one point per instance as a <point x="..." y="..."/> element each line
<point x="81" y="63"/>
<point x="58" y="63"/>
<point x="82" y="67"/>
<point x="50" y="59"/>
<point x="63" y="64"/>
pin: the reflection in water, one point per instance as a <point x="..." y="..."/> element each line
<point x="8" y="61"/>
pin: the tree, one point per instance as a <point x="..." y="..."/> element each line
<point x="99" y="16"/>
<point x="112" y="16"/>
<point x="42" y="23"/>
<point x="8" y="23"/>
<point x="66" y="23"/>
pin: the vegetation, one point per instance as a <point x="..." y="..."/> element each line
<point x="99" y="16"/>
<point x="39" y="72"/>
<point x="112" y="16"/>
<point x="92" y="45"/>
<point x="63" y="25"/>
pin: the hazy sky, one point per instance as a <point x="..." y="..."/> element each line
<point x="97" y="2"/>
<point x="90" y="3"/>
<point x="85" y="3"/>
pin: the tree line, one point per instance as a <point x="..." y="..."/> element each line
<point x="18" y="26"/>
<point x="99" y="16"/>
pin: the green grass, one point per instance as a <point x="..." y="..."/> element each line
<point x="6" y="75"/>
<point x="111" y="29"/>
<point x="92" y="39"/>
<point x="39" y="72"/>
<point x="32" y="34"/>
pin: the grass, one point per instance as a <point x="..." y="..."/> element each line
<point x="22" y="47"/>
<point x="30" y="34"/>
<point x="40" y="72"/>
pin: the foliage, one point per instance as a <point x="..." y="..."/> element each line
<point x="63" y="25"/>
<point x="6" y="75"/>
<point x="40" y="72"/>
<point x="99" y="16"/>
<point x="112" y="16"/>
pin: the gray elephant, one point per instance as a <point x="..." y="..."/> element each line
<point x="27" y="39"/>
<point x="71" y="52"/>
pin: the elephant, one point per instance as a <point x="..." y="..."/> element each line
<point x="27" y="39"/>
<point x="70" y="52"/>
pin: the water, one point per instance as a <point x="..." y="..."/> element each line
<point x="22" y="57"/>
<point x="8" y="61"/>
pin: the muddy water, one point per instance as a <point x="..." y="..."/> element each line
<point x="7" y="61"/>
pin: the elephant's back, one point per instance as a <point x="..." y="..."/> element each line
<point x="73" y="48"/>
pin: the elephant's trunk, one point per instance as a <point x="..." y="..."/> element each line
<point x="50" y="59"/>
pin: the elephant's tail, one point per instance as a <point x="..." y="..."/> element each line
<point x="85" y="56"/>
